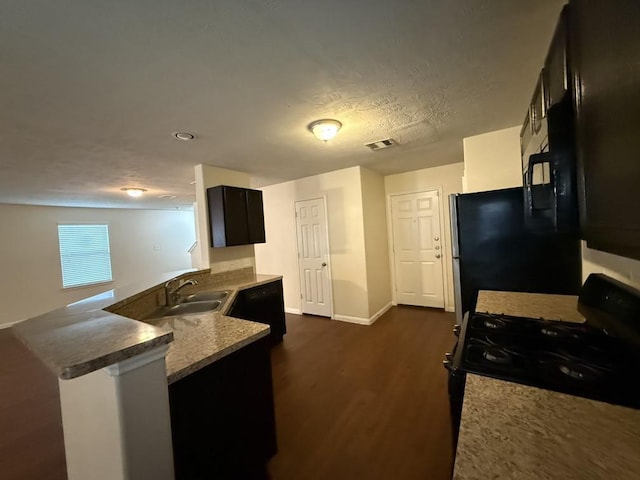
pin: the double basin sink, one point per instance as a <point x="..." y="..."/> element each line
<point x="193" y="303"/>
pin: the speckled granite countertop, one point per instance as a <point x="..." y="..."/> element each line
<point x="82" y="337"/>
<point x="531" y="305"/>
<point x="201" y="339"/>
<point x="513" y="431"/>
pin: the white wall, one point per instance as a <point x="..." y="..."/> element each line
<point x="375" y="240"/>
<point x="342" y="189"/>
<point x="449" y="179"/>
<point x="29" y="254"/>
<point x="218" y="259"/>
<point x="492" y="161"/>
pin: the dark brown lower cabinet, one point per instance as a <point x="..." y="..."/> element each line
<point x="222" y="417"/>
<point x="264" y="304"/>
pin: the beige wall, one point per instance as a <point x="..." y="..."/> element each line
<point x="375" y="241"/>
<point x="279" y="255"/>
<point x="218" y="259"/>
<point x="342" y="189"/>
<point x="492" y="160"/>
<point x="30" y="257"/>
<point x="449" y="179"/>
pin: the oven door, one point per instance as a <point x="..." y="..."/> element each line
<point x="456" y="378"/>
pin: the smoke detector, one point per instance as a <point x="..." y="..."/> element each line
<point x="184" y="136"/>
<point x="379" y="145"/>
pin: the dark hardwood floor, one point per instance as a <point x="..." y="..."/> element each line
<point x="31" y="443"/>
<point x="352" y="402"/>
<point x="356" y="402"/>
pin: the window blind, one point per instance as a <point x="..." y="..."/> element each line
<point x="84" y="254"/>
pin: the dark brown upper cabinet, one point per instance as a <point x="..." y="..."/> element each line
<point x="236" y="216"/>
<point x="556" y="67"/>
<point x="605" y="56"/>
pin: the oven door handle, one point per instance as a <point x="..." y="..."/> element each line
<point x="449" y="366"/>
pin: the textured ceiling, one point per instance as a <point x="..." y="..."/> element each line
<point x="91" y="92"/>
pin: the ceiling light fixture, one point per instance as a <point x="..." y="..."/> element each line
<point x="134" y="192"/>
<point x="186" y="136"/>
<point x="324" y="129"/>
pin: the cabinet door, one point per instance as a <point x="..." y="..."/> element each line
<point x="537" y="108"/>
<point x="264" y="304"/>
<point x="217" y="229"/>
<point x="222" y="417"/>
<point x="255" y="216"/>
<point x="605" y="51"/>
<point x="235" y="216"/>
<point x="555" y="66"/>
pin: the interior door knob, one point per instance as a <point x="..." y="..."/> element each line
<point x="324" y="264"/>
<point x="437" y="255"/>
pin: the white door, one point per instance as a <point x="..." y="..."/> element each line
<point x="313" y="257"/>
<point x="417" y="249"/>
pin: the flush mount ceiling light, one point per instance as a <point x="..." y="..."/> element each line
<point x="186" y="136"/>
<point x="134" y="192"/>
<point x="324" y="129"/>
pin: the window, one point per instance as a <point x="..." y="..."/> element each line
<point x="84" y="254"/>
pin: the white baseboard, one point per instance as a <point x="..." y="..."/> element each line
<point x="346" y="318"/>
<point x="380" y="312"/>
<point x="9" y="325"/>
<point x="362" y="320"/>
<point x="449" y="309"/>
<point x="295" y="311"/>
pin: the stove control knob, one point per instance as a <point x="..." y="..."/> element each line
<point x="448" y="356"/>
<point x="447" y="365"/>
<point x="456" y="330"/>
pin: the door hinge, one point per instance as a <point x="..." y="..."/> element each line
<point x="301" y="297"/>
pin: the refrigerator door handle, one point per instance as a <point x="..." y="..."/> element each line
<point x="453" y="215"/>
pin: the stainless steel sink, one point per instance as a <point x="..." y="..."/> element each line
<point x="203" y="297"/>
<point x="186" y="308"/>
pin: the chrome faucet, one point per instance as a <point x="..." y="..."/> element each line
<point x="171" y="294"/>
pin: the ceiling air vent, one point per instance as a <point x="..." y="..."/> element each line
<point x="389" y="142"/>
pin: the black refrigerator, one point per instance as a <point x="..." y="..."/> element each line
<point x="493" y="250"/>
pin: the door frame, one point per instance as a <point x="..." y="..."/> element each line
<point x="445" y="246"/>
<point x="326" y="229"/>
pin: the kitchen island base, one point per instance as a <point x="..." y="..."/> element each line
<point x="222" y="417"/>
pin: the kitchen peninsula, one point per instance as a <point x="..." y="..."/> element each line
<point x="111" y="363"/>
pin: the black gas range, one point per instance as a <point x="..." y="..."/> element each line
<point x="598" y="359"/>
